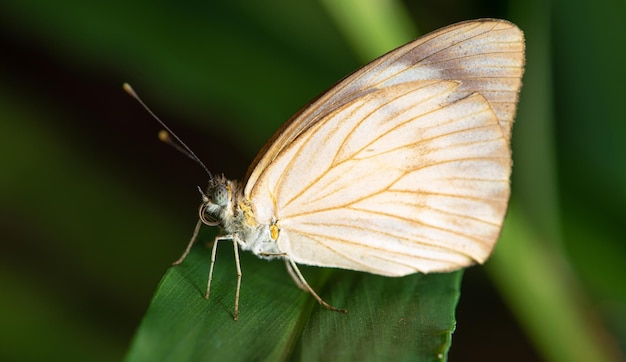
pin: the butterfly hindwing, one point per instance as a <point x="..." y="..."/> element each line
<point x="398" y="181"/>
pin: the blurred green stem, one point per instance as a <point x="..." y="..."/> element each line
<point x="373" y="27"/>
<point x="527" y="268"/>
<point x="539" y="288"/>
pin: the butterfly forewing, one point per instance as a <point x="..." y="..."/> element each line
<point x="403" y="166"/>
<point x="487" y="56"/>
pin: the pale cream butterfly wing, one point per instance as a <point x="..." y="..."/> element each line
<point x="487" y="55"/>
<point x="404" y="165"/>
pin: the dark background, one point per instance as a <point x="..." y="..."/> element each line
<point x="93" y="207"/>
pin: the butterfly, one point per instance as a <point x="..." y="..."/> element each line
<point x="402" y="167"/>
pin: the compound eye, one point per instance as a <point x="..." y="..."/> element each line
<point x="220" y="195"/>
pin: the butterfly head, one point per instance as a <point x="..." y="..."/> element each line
<point x="217" y="201"/>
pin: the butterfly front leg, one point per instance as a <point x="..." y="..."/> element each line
<point x="190" y="244"/>
<point x="235" y="239"/>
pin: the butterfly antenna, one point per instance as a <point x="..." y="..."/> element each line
<point x="164" y="135"/>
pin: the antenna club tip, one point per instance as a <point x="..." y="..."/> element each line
<point x="128" y="89"/>
<point x="164" y="136"/>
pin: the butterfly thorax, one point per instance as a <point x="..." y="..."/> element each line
<point x="224" y="204"/>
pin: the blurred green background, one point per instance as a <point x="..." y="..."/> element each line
<point x="93" y="208"/>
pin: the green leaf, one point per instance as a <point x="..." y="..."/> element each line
<point x="409" y="318"/>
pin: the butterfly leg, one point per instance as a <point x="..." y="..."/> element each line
<point x="294" y="276"/>
<point x="213" y="252"/>
<point x="293" y="270"/>
<point x="191" y="242"/>
<point x="237" y="264"/>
